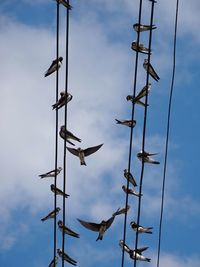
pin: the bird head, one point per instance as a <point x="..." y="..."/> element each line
<point x="60" y="59"/>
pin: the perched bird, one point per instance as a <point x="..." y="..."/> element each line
<point x="130" y="177"/>
<point x="58" y="191"/>
<point x="141" y="27"/>
<point x="51" y="215"/>
<point x="66" y="135"/>
<point x="54" y="262"/>
<point x="129" y="123"/>
<point x="142" y="93"/>
<point x="124" y="246"/>
<point x="66" y="257"/>
<point x="140" y="229"/>
<point x="121" y="211"/>
<point x="132" y="99"/>
<point x="145" y="157"/>
<point x="66" y="230"/>
<point x="65" y="4"/>
<point x="62" y="100"/>
<point x="56" y="64"/>
<point x="51" y="173"/>
<point x="82" y="153"/>
<point x="148" y="67"/>
<point x="140" y="48"/>
<point x="130" y="191"/>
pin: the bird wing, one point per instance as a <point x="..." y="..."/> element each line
<point x="121" y="211"/>
<point x="90" y="150"/>
<point x="72" y="150"/>
<point x="89" y="225"/>
<point x="140" y="250"/>
<point x="109" y="222"/>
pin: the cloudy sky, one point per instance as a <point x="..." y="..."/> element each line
<point x="100" y="77"/>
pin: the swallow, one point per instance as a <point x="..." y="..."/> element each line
<point x="82" y="153"/>
<point x="141" y="27"/>
<point x="66" y="135"/>
<point x="121" y="211"/>
<point x="56" y="64"/>
<point x="65" y="4"/>
<point x="145" y="157"/>
<point x="54" y="262"/>
<point x="130" y="191"/>
<point x="64" y="99"/>
<point x="145" y="90"/>
<point x="139" y="47"/>
<point x="140" y="229"/>
<point x="130" y="177"/>
<point x="124" y="246"/>
<point x="66" y="230"/>
<point x="129" y="123"/>
<point x="148" y="67"/>
<point x="58" y="191"/>
<point x="66" y="257"/>
<point x="137" y="101"/>
<point x="52" y="173"/>
<point x="51" y="215"/>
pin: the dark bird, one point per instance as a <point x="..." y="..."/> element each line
<point x="132" y="99"/>
<point x="129" y="123"/>
<point x="65" y="4"/>
<point x="54" y="262"/>
<point x="56" y="64"/>
<point x="58" y="191"/>
<point x="82" y="153"/>
<point x="140" y="229"/>
<point x="142" y="93"/>
<point x="130" y="177"/>
<point x="130" y="191"/>
<point x="51" y="215"/>
<point x="148" y="67"/>
<point x="66" y="230"/>
<point x="62" y="100"/>
<point x="145" y="157"/>
<point x="66" y="135"/>
<point x="51" y="173"/>
<point x="66" y="257"/>
<point x="121" y="211"/>
<point x="141" y="27"/>
<point x="139" y="47"/>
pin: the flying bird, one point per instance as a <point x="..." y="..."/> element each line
<point x="130" y="177"/>
<point x="51" y="215"/>
<point x="58" y="191"/>
<point x="82" y="153"/>
<point x="65" y="4"/>
<point x="130" y="191"/>
<point x="141" y="27"/>
<point x="139" y="47"/>
<point x="121" y="211"/>
<point x="54" y="262"/>
<point x="140" y="229"/>
<point x="56" y="64"/>
<point x="66" y="230"/>
<point x="145" y="157"/>
<point x="66" y="135"/>
<point x="51" y="173"/>
<point x="148" y="67"/>
<point x="66" y="257"/>
<point x="129" y="123"/>
<point x="62" y="100"/>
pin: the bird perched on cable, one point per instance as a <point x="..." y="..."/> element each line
<point x="66" y="230"/>
<point x="148" y="67"/>
<point x="139" y="47"/>
<point x="132" y="99"/>
<point x="141" y="27"/>
<point x="64" y="99"/>
<point x="66" y="257"/>
<point x="56" y="64"/>
<point x="145" y="157"/>
<point x="141" y="94"/>
<point x="54" y="262"/>
<point x="64" y="3"/>
<point x="82" y="153"/>
<point x="58" y="191"/>
<point x="51" y="215"/>
<point x="51" y="173"/>
<point x="140" y="229"/>
<point x="130" y="177"/>
<point x="129" y="123"/>
<point x="130" y="191"/>
<point x="66" y="135"/>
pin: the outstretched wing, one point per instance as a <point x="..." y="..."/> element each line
<point x="72" y="150"/>
<point x="140" y="250"/>
<point x="109" y="222"/>
<point x="90" y="150"/>
<point x="89" y="225"/>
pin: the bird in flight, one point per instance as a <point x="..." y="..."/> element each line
<point x="55" y="65"/>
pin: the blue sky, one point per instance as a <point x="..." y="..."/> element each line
<point x="101" y="76"/>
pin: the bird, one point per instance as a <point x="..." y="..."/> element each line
<point x="62" y="100"/>
<point x="82" y="153"/>
<point x="51" y="215"/>
<point x="130" y="177"/>
<point x="56" y="64"/>
<point x="139" y="47"/>
<point x="145" y="157"/>
<point x="148" y="67"/>
<point x="66" y="135"/>
<point x="66" y="230"/>
<point x="124" y="246"/>
<point x="132" y="99"/>
<point x="54" y="262"/>
<point x="65" y="4"/>
<point x="129" y="123"/>
<point x="154" y="1"/>
<point x="66" y="257"/>
<point x="143" y="92"/>
<point x="140" y="229"/>
<point x="130" y="191"/>
<point x="52" y="173"/>
<point x="121" y="211"/>
<point x="141" y="27"/>
<point x="58" y="191"/>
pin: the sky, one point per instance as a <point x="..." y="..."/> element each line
<point x="101" y="67"/>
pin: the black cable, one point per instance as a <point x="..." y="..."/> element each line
<point x="167" y="134"/>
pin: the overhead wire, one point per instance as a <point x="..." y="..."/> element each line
<point x="167" y="133"/>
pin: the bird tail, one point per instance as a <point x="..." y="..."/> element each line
<point x="70" y="142"/>
<point x="118" y="122"/>
<point x="83" y="163"/>
<point x="148" y="259"/>
<point x="155" y="162"/>
<point x="43" y="219"/>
